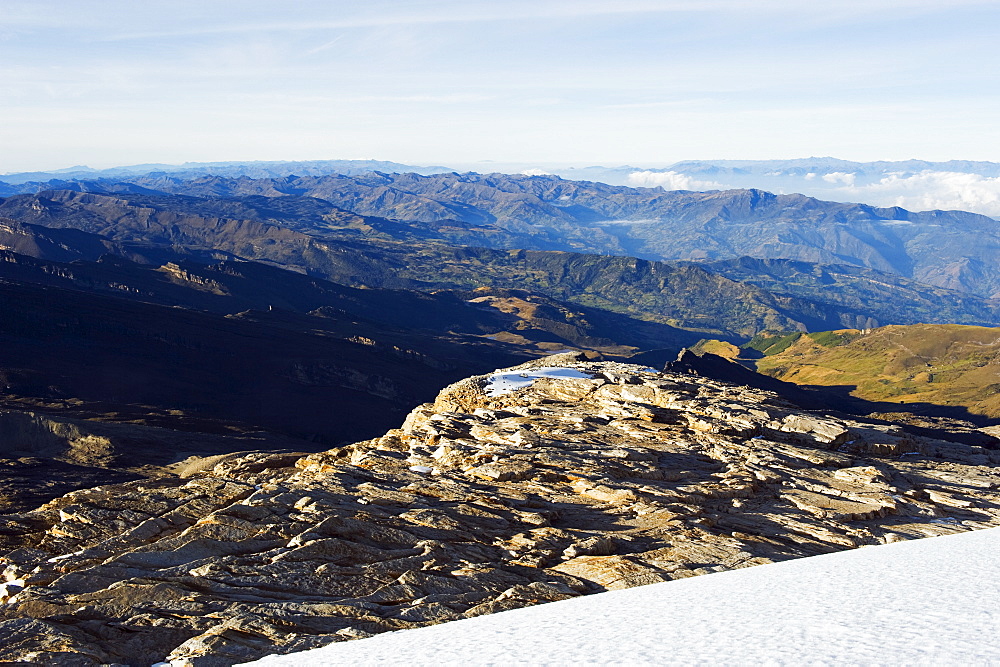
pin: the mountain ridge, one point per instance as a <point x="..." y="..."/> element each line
<point x="336" y="245"/>
<point x="950" y="249"/>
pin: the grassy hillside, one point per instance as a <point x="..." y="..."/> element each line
<point x="943" y="364"/>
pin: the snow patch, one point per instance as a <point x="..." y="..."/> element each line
<point x="10" y="589"/>
<point x="508" y="381"/>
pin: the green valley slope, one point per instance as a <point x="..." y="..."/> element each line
<point x="945" y="365"/>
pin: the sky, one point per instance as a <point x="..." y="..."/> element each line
<point x="640" y="82"/>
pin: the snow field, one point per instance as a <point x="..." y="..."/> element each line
<point x="929" y="601"/>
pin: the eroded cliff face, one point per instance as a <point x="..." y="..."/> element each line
<point x="590" y="477"/>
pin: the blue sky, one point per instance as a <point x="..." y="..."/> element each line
<point x="641" y="82"/>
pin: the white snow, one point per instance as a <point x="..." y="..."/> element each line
<point x="507" y="381"/>
<point x="9" y="589"/>
<point x="928" y="601"/>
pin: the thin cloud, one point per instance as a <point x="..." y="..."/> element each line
<point x="389" y="14"/>
<point x="429" y="99"/>
<point x="328" y="45"/>
<point x="688" y="102"/>
<point x="452" y="13"/>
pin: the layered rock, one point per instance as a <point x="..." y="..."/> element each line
<point x="599" y="476"/>
<point x="43" y="456"/>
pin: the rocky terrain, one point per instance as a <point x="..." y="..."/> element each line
<point x="557" y="478"/>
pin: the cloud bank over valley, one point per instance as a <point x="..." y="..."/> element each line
<point x="976" y="188"/>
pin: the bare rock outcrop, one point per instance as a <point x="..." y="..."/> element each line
<point x="596" y="477"/>
<point x="44" y="456"/>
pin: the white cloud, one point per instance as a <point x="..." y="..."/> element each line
<point x="535" y="172"/>
<point x="839" y="177"/>
<point x="670" y="180"/>
<point x="929" y="190"/>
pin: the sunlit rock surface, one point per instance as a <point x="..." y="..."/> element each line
<point x="606" y="477"/>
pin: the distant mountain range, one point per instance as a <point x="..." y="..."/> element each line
<point x="918" y="185"/>
<point x="737" y="173"/>
<point x="869" y="171"/>
<point x="913" y="184"/>
<point x="311" y="234"/>
<point x="255" y="169"/>
<point x="949" y="249"/>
